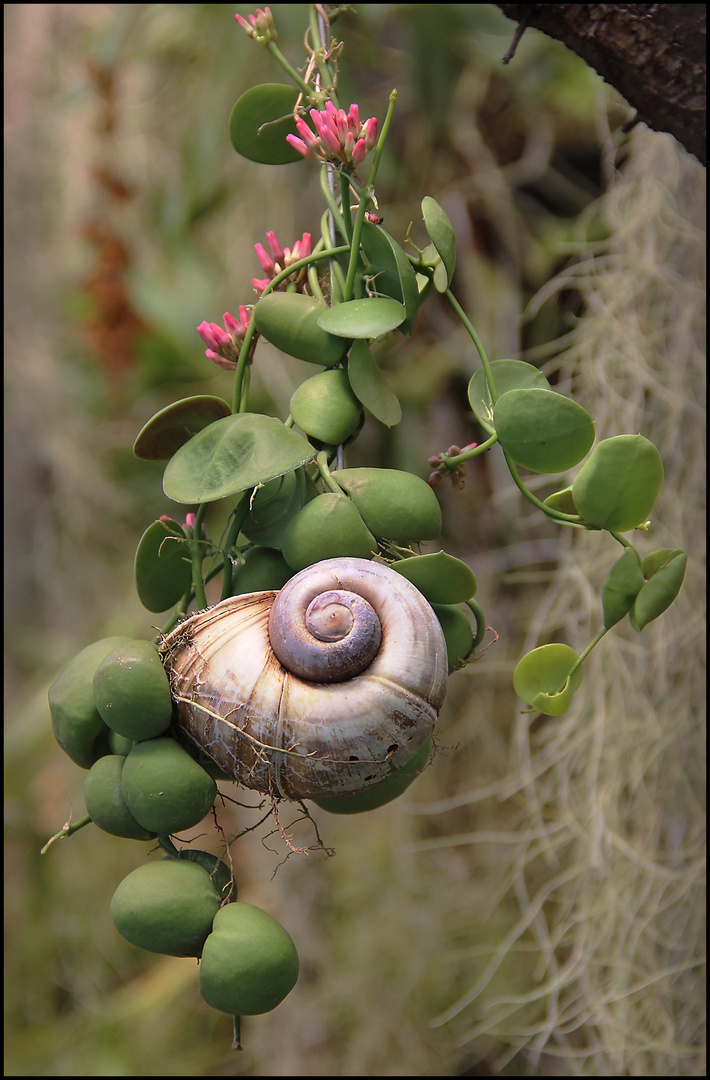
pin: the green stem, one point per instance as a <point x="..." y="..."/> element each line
<point x="336" y="213"/>
<point x="168" y="846"/>
<point x="364" y="202"/>
<point x="583" y="656"/>
<point x="466" y="455"/>
<point x="476" y="341"/>
<point x="66" y="831"/>
<point x="322" y="463"/>
<point x="240" y="513"/>
<point x="197" y="558"/>
<point x="245" y="354"/>
<point x="318" y="49"/>
<point x="480" y="624"/>
<point x="288" y="68"/>
<point x="573" y="520"/>
<point x="345" y="206"/>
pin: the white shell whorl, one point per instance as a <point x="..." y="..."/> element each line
<point x="293" y="737"/>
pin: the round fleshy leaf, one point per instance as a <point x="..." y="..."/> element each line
<point x="260" y="122"/>
<point x="443" y="237"/>
<point x="395" y="505"/>
<point x="617" y="488"/>
<point x="621" y="587"/>
<point x="370" y="386"/>
<point x="661" y="588"/>
<point x="367" y="318"/>
<point x="507" y="375"/>
<point x="440" y="577"/>
<point x="541" y="679"/>
<point x="175" y="424"/>
<point x="457" y="632"/>
<point x="233" y="455"/>
<point x="542" y="430"/>
<point x="162" y="567"/>
<point x="391" y="271"/>
<point x="562" y="501"/>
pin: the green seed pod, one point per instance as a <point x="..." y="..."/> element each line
<point x="132" y="691"/>
<point x="105" y="803"/>
<point x="164" y="788"/>
<point x="457" y="631"/>
<point x="263" y="569"/>
<point x="325" y="407"/>
<point x="166" y="907"/>
<point x="290" y="322"/>
<point x="327" y="528"/>
<point x="220" y="874"/>
<point x="386" y="791"/>
<point x="275" y="504"/>
<point x="249" y="963"/>
<point x="76" y="722"/>
<point x="393" y="504"/>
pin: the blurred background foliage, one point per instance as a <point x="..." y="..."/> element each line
<point x="534" y="904"/>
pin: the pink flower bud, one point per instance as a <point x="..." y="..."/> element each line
<point x="354" y="119"/>
<point x="276" y="250"/>
<point x="265" y="260"/>
<point x="370" y="132"/>
<point x="260" y="283"/>
<point x="359" y="152"/>
<point x="298" y="145"/>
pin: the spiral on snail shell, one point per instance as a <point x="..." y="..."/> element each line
<point x="320" y="689"/>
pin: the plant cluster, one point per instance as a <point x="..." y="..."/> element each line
<point x="325" y="300"/>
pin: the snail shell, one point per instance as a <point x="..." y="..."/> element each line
<point x="320" y="689"/>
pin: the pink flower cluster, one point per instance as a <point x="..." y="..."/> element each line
<point x="280" y="259"/>
<point x="442" y="469"/>
<point x="339" y="136"/>
<point x="260" y="26"/>
<point x="224" y="343"/>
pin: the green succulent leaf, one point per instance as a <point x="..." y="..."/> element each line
<point x="260" y="122"/>
<point x="440" y="577"/>
<point x="370" y="386"/>
<point x="370" y="317"/>
<point x="162" y="566"/>
<point x="542" y="680"/>
<point x="507" y="375"/>
<point x="621" y="587"/>
<point x="617" y="487"/>
<point x="175" y="424"/>
<point x="443" y="237"/>
<point x="664" y="571"/>
<point x="392" y="272"/>
<point x="233" y="455"/>
<point x="542" y="430"/>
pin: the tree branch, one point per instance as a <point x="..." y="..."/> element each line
<point x="653" y="54"/>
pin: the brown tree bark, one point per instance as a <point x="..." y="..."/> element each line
<point x="653" y="54"/>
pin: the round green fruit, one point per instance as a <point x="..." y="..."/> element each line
<point x="249" y="963"/>
<point x="105" y="803"/>
<point x="76" y="722"/>
<point x="393" y="504"/>
<point x="132" y="691"/>
<point x="381" y="793"/>
<point x="326" y="528"/>
<point x="220" y="874"/>
<point x="164" y="788"/>
<point x="325" y="407"/>
<point x="290" y="322"/>
<point x="263" y="569"/>
<point x="166" y="907"/>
